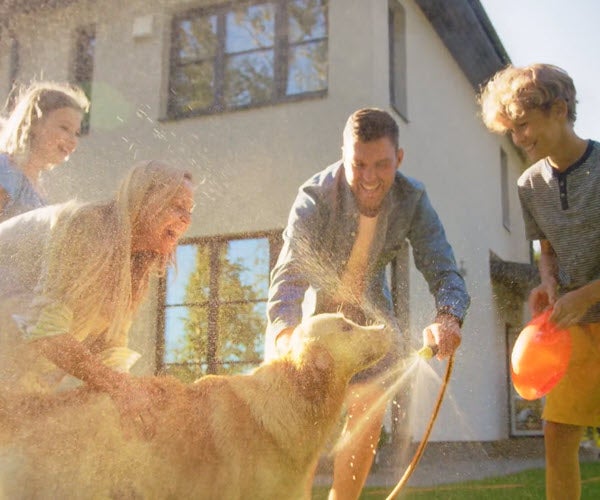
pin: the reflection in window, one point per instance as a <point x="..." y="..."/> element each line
<point x="214" y="316"/>
<point x="397" y="47"/>
<point x="230" y="57"/>
<point x="85" y="43"/>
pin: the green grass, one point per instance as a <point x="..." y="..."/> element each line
<point x="525" y="485"/>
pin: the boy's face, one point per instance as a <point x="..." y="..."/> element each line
<point x="538" y="132"/>
<point x="370" y="168"/>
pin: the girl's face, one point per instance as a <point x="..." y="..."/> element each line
<point x="159" y="233"/>
<point x="55" y="136"/>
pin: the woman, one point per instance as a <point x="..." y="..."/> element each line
<point x="40" y="133"/>
<point x="72" y="276"/>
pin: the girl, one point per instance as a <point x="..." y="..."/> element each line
<point x="40" y="133"/>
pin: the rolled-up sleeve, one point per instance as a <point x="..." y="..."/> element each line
<point x="289" y="281"/>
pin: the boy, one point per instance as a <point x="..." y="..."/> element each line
<point x="559" y="198"/>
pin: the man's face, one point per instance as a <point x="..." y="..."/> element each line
<point x="537" y="132"/>
<point x="370" y="168"/>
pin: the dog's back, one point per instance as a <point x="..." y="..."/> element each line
<point x="241" y="436"/>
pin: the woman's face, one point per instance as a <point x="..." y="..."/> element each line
<point x="55" y="136"/>
<point x="159" y="233"/>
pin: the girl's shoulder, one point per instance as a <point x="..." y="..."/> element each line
<point x="11" y="178"/>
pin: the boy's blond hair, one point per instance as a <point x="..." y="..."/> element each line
<point x="513" y="91"/>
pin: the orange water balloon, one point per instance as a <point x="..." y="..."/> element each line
<point x="539" y="357"/>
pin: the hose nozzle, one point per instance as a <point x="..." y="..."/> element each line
<point x="428" y="351"/>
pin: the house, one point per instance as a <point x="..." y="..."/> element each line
<point x="252" y="97"/>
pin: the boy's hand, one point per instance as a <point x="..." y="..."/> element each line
<point x="541" y="297"/>
<point x="570" y="308"/>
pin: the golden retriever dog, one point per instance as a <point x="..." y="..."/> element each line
<point x="230" y="437"/>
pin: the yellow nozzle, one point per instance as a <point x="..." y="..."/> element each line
<point x="427" y="351"/>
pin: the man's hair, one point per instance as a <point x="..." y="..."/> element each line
<point x="370" y="124"/>
<point x="513" y="91"/>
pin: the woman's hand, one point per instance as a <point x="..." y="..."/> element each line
<point x="137" y="400"/>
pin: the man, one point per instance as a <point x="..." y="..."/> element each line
<point x="347" y="223"/>
<point x="559" y="198"/>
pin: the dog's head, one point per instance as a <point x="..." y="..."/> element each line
<point x="333" y="342"/>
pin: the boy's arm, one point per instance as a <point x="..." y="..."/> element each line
<point x="572" y="306"/>
<point x="545" y="294"/>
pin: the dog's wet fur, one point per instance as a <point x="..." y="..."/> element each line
<point x="238" y="436"/>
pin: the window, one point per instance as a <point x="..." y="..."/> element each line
<point x="397" y="43"/>
<point x="525" y="415"/>
<point x="214" y="315"/>
<point x="83" y="69"/>
<point x="504" y="190"/>
<point x="251" y="54"/>
<point x="13" y="61"/>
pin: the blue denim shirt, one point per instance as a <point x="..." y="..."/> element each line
<point x="22" y="195"/>
<point x="319" y="237"/>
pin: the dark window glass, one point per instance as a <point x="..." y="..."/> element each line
<point x="83" y="71"/>
<point x="247" y="55"/>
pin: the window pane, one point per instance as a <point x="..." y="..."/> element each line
<point x="245" y="270"/>
<point x="196" y="38"/>
<point x="307" y="20"/>
<point x="192" y="87"/>
<point x="187" y="373"/>
<point x="249" y="78"/>
<point x="241" y="332"/>
<point x="250" y="28"/>
<point x="189" y="282"/>
<point x="185" y="334"/>
<point x="307" y="68"/>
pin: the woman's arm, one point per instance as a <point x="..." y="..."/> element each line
<point x="134" y="398"/>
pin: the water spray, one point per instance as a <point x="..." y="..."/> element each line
<point x="426" y="352"/>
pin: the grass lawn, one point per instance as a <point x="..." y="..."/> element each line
<point x="521" y="486"/>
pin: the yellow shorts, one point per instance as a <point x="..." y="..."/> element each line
<point x="576" y="398"/>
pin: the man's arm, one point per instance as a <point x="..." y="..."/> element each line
<point x="435" y="260"/>
<point x="290" y="278"/>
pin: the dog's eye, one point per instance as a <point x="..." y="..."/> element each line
<point x="346" y="327"/>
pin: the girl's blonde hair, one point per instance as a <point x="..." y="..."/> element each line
<point x="513" y="91"/>
<point x="90" y="252"/>
<point x="31" y="105"/>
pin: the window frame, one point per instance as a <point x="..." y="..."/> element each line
<point x="398" y="74"/>
<point x="87" y="34"/>
<point x="280" y="49"/>
<point x="515" y="401"/>
<point x="275" y="241"/>
<point x="504" y="189"/>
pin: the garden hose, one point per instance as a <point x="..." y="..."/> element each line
<point x="426" y="352"/>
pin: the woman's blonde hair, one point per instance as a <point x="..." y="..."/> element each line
<point x="91" y="253"/>
<point x="31" y="105"/>
<point x="513" y="91"/>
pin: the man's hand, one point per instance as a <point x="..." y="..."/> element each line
<point x="283" y="342"/>
<point x="444" y="333"/>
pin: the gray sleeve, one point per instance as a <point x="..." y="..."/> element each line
<point x="434" y="258"/>
<point x="290" y="276"/>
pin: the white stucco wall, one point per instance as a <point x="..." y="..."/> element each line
<point x="250" y="163"/>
